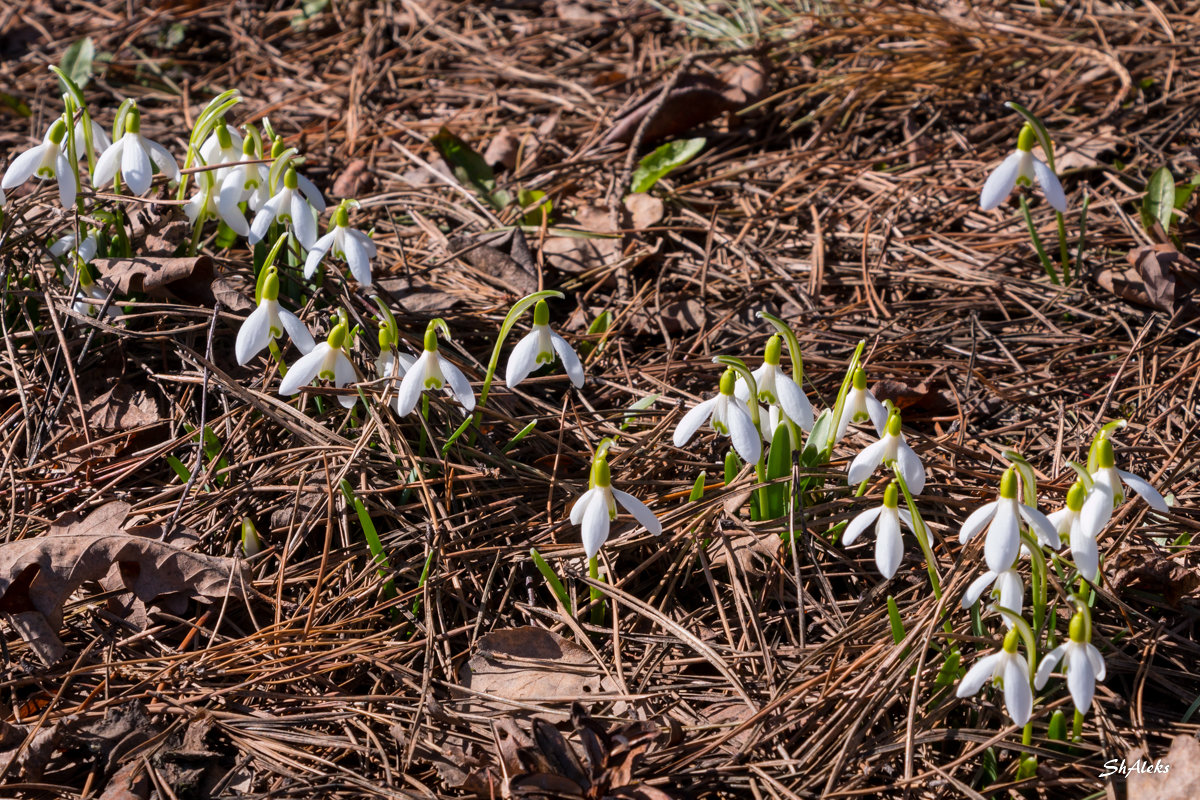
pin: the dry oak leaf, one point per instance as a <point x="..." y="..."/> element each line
<point x="1180" y="780"/>
<point x="38" y="575"/>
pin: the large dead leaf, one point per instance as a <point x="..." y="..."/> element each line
<point x="530" y="665"/>
<point x="1159" y="276"/>
<point x="38" y="575"/>
<point x="1179" y="781"/>
<point x="513" y="271"/>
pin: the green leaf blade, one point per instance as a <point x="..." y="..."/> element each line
<point x="665" y="159"/>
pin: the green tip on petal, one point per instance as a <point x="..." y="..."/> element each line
<point x="1010" y="640"/>
<point x="541" y="313"/>
<point x="727" y="381"/>
<point x="774" y="351"/>
<point x="290" y="179"/>
<point x="270" y="290"/>
<point x="57" y="131"/>
<point x="860" y="379"/>
<point x="1026" y="138"/>
<point x="1076" y="495"/>
<point x="893" y="424"/>
<point x="337" y="336"/>
<point x="1078" y="629"/>
<point x="891" y="496"/>
<point x="600" y="473"/>
<point x="1008" y="484"/>
<point x="1104" y="454"/>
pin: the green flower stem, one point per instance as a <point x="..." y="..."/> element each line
<point x="793" y="345"/>
<point x="596" y="594"/>
<point x="556" y="585"/>
<point x="278" y="356"/>
<point x="1037" y="243"/>
<point x="923" y="533"/>
<point x="1037" y="561"/>
<point x="1083" y="215"/>
<point x="1063" y="249"/>
<point x="840" y="404"/>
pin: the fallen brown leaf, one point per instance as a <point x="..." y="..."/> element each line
<point x="188" y="278"/>
<point x="355" y="180"/>
<point x="644" y="210"/>
<point x="1181" y="781"/>
<point x="504" y="270"/>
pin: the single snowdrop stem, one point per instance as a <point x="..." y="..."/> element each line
<point x="1028" y="478"/>
<point x="1020" y="631"/>
<point x="510" y="319"/>
<point x="839" y="405"/>
<point x="1038" y="578"/>
<point x="919" y="527"/>
<point x="1102" y="435"/>
<point x="793" y="345"/>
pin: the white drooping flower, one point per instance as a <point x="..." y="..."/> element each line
<point x="289" y="206"/>
<point x="352" y="246"/>
<point x="133" y="155"/>
<point x="327" y="361"/>
<point x="1002" y="518"/>
<point x="540" y="346"/>
<point x="244" y="183"/>
<point x="269" y="321"/>
<point x="890" y="447"/>
<point x="1007" y="588"/>
<point x="1082" y="661"/>
<point x="1081" y="520"/>
<point x="433" y="371"/>
<point x="205" y="204"/>
<point x="1109" y="476"/>
<point x="223" y="146"/>
<point x="90" y="298"/>
<point x="597" y="508"/>
<point x="46" y="160"/>
<point x="776" y="389"/>
<point x="728" y="415"/>
<point x="1007" y="670"/>
<point x="889" y="545"/>
<point x="1022" y="167"/>
<point x="861" y="405"/>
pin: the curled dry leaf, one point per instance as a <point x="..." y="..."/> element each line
<point x="1158" y="276"/>
<point x="38" y="575"/>
<point x="187" y="278"/>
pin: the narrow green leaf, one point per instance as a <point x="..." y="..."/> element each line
<point x="949" y="674"/>
<point x="812" y="455"/>
<point x="698" y="488"/>
<point x="183" y="472"/>
<point x="779" y="465"/>
<point x="641" y="405"/>
<point x="1159" y="204"/>
<point x="894" y="618"/>
<point x="552" y="579"/>
<point x="77" y="61"/>
<point x="1182" y="193"/>
<point x="540" y="213"/>
<point x="521" y="434"/>
<point x="374" y="544"/>
<point x="656" y="165"/>
<point x="469" y="168"/>
<point x="16" y="104"/>
<point x="1057" y="729"/>
<point x="466" y="423"/>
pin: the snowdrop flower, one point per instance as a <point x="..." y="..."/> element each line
<point x="327" y="361"/>
<point x="205" y="204"/>
<point x="597" y="508"/>
<point x="1110" y="477"/>
<point x="539" y="347"/>
<point x="1006" y="587"/>
<point x="91" y="297"/>
<point x="890" y="447"/>
<point x="133" y="154"/>
<point x="769" y="420"/>
<point x="1083" y="518"/>
<point x="1082" y="661"/>
<point x="1002" y="518"/>
<point x="433" y="371"/>
<point x="245" y="183"/>
<point x="223" y="146"/>
<point x="728" y="416"/>
<point x="100" y="140"/>
<point x="268" y="322"/>
<point x="1022" y="168"/>
<point x="289" y="206"/>
<point x="889" y="546"/>
<point x="390" y="362"/>
<point x="353" y="247"/>
<point x="861" y="405"/>
<point x="775" y="388"/>
<point x="1007" y="670"/>
<point x="46" y="160"/>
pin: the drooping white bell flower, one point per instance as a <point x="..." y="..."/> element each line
<point x="205" y="204"/>
<point x="244" y="183"/>
<point x="1108" y="475"/>
<point x="133" y="155"/>
<point x="46" y="160"/>
<point x="90" y="298"/>
<point x="775" y="388"/>
<point x="223" y="146"/>
<point x="1007" y="670"/>
<point x="890" y="447"/>
<point x="1007" y="587"/>
<point x="1002" y="518"/>
<point x="1022" y="168"/>
<point x="597" y="508"/>
<point x="728" y="415"/>
<point x="889" y="545"/>
<point x="289" y="206"/>
<point x="327" y="361"/>
<point x="269" y="321"/>
<point x="352" y="246"/>
<point x="1082" y="520"/>
<point x="1082" y="661"/>
<point x="433" y="371"/>
<point x="539" y="347"/>
<point x="861" y="405"/>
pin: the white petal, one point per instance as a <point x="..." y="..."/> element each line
<point x="1047" y="534"/>
<point x="135" y="166"/>
<point x="976" y="588"/>
<point x="1003" y="541"/>
<point x="978" y="520"/>
<point x="692" y="421"/>
<point x="1000" y="183"/>
<point x="303" y="221"/>
<point x="1093" y="655"/>
<point x="193" y="207"/>
<point x="580" y="506"/>
<point x="262" y="221"/>
<point x="304" y="371"/>
<point x="859" y="524"/>
<point x="641" y="512"/>
<point x="889" y="546"/>
<point x="459" y="386"/>
<point x="162" y="159"/>
<point x="865" y="462"/>
<point x="1145" y="491"/>
<point x="594" y="530"/>
<point x="1050" y="186"/>
<point x="357" y="259"/>
<point x="343" y="373"/>
<point x="794" y="403"/>
<point x="1085" y="552"/>
<point x="1097" y="510"/>
<point x="1012" y="592"/>
<point x="87" y="250"/>
<point x="66" y="181"/>
<point x="570" y="360"/>
<point x="107" y="164"/>
<point x="1061" y="520"/>
<point x="877" y="413"/>
<point x="227" y="205"/>
<point x="1047" y="665"/>
<point x="311" y="193"/>
<point x="23" y="166"/>
<point x="911" y="468"/>
<point x="367" y="243"/>
<point x="522" y="360"/>
<point x="1018" y="697"/>
<point x="741" y="390"/>
<point x="745" y="437"/>
<point x="254" y="335"/>
<point x="978" y="675"/>
<point x="1081" y="680"/>
<point x="297" y="331"/>
<point x="316" y="253"/>
<point x="412" y="385"/>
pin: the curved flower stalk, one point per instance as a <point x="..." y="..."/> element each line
<point x="352" y="246"/>
<point x="889" y="545"/>
<point x="1007" y="670"/>
<point x="861" y="405"/>
<point x="890" y="447"/>
<point x="1022" y="168"/>
<point x="1081" y="660"/>
<point x="433" y="371"/>
<point x="1081" y="520"/>
<point x="390" y="362"/>
<point x="288" y="206"/>
<point x="327" y="361"/>
<point x="540" y="346"/>
<point x="46" y="160"/>
<point x="90" y="298"/>
<point x="728" y="416"/>
<point x="777" y="389"/>
<point x="1106" y="474"/>
<point x="1007" y="588"/>
<point x="1002" y="519"/>
<point x="596" y="508"/>
<point x="268" y="322"/>
<point x="133" y="154"/>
